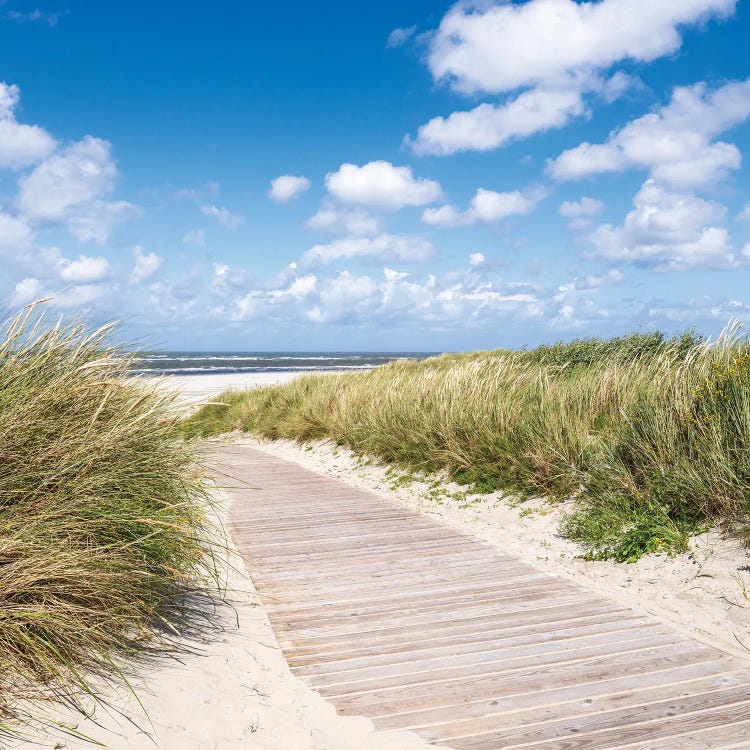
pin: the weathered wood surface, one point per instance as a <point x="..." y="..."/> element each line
<point x="393" y="616"/>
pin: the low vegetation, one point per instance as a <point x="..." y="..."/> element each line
<point x="650" y="435"/>
<point x="103" y="540"/>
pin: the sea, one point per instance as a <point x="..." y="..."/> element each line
<point x="214" y="363"/>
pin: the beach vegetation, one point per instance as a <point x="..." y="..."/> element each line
<point x="649" y="435"/>
<point x="105" y="552"/>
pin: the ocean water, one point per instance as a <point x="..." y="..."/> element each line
<point x="212" y="363"/>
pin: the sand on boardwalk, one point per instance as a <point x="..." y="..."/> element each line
<point x="704" y="593"/>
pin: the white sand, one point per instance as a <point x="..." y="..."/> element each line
<point x="236" y="693"/>
<point x="704" y="593"/>
<point x="196" y="389"/>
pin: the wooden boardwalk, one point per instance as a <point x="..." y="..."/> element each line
<point x="390" y="615"/>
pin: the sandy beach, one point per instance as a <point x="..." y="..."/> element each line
<point x="197" y="389"/>
<point x="235" y="690"/>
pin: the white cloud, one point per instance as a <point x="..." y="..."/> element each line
<point x="227" y="279"/>
<point x="334" y="219"/>
<point x="674" y="143"/>
<point x="15" y="235"/>
<point x="96" y="220"/>
<point x="83" y="270"/>
<point x="744" y="215"/>
<point x="400" y="36"/>
<point x="288" y="186"/>
<point x="379" y="183"/>
<point x="490" y="126"/>
<point x="20" y="145"/>
<point x="486" y="206"/>
<point x="669" y="231"/>
<point x="385" y="247"/>
<point x="584" y="207"/>
<point x="79" y="173"/>
<point x="264" y="302"/>
<point x="555" y="51"/>
<point x="71" y="296"/>
<point x="66" y="189"/>
<point x="496" y="47"/>
<point x="476" y="259"/>
<point x="700" y="309"/>
<point x="26" y="291"/>
<point x="37" y="16"/>
<point x="146" y="265"/>
<point x="194" y="237"/>
<point x="590" y="282"/>
<point x="223" y="215"/>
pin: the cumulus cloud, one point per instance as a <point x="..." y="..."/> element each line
<point x="490" y="126"/>
<point x="26" y="291"/>
<point x="335" y="219"/>
<point x="384" y="247"/>
<point x="79" y="173"/>
<point x="669" y="231"/>
<point x="223" y="215"/>
<point x="496" y="47"/>
<point x="146" y="265"/>
<point x="286" y="187"/>
<point x="380" y="183"/>
<point x="676" y="143"/>
<point x="486" y="206"/>
<point x="400" y="36"/>
<point x="20" y="145"/>
<point x="557" y="50"/>
<point x="83" y="270"/>
<point x="393" y="297"/>
<point x="583" y="207"/>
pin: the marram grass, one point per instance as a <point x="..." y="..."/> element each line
<point x="651" y="436"/>
<point x="102" y="529"/>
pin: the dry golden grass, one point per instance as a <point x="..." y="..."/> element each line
<point x="102" y="529"/>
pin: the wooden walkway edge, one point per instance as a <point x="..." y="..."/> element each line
<point x="390" y="615"/>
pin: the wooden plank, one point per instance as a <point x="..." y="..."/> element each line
<point x="494" y="667"/>
<point x="462" y="640"/>
<point x="517" y="708"/>
<point x="608" y="710"/>
<point x="431" y="656"/>
<point x="660" y="722"/>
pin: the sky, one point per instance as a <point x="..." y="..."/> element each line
<point x="387" y="176"/>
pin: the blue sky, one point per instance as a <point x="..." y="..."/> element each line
<point x="399" y="176"/>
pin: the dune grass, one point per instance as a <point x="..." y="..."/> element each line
<point x="103" y="534"/>
<point x="651" y="436"/>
